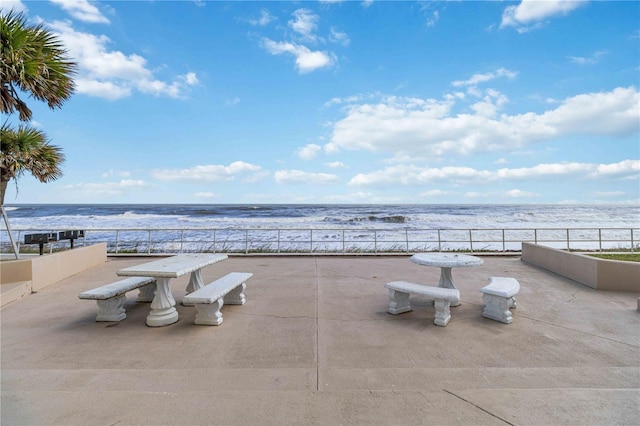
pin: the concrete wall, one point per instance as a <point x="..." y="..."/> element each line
<point x="600" y="274"/>
<point x="23" y="276"/>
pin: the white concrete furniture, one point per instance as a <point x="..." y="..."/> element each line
<point x="163" y="311"/>
<point x="111" y="297"/>
<point x="446" y="261"/>
<point x="399" y="292"/>
<point x="499" y="297"/>
<point x="210" y="298"/>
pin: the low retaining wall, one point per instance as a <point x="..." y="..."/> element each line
<point x="600" y="274"/>
<point x="23" y="276"/>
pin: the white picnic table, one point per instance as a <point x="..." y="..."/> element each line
<point x="163" y="311"/>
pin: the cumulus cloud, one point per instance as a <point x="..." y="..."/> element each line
<point x="304" y="25"/>
<point x="412" y="175"/>
<point x="530" y="14"/>
<point x="209" y="173"/>
<point x="109" y="188"/>
<point x="300" y="176"/>
<point x="82" y="10"/>
<point x="306" y="60"/>
<point x="427" y="127"/>
<point x="112" y="74"/>
<point x="309" y="152"/>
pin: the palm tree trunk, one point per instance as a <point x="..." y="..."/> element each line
<point x="9" y="231"/>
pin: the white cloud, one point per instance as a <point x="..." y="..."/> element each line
<point x="208" y="173"/>
<point x="483" y="78"/>
<point x="306" y="59"/>
<point x="264" y="19"/>
<point x="304" y="23"/>
<point x="530" y="14"/>
<point x="336" y="36"/>
<point x="15" y="5"/>
<point x="593" y="59"/>
<point x="412" y="175"/>
<point x="112" y="74"/>
<point x="82" y="10"/>
<point x="120" y="173"/>
<point x="299" y="176"/>
<point x="309" y="151"/>
<point x="109" y="188"/>
<point x="433" y="193"/>
<point x="336" y="165"/>
<point x="427" y="127"/>
<point x="516" y="193"/>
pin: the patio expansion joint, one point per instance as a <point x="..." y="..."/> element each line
<point x="478" y="407"/>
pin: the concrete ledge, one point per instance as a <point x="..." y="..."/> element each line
<point x="599" y="274"/>
<point x="23" y="276"/>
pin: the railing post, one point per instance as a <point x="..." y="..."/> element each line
<point x="181" y="240"/>
<point x="343" y="248"/>
<point x="568" y="244"/>
<point x="310" y="241"/>
<point x="117" y="240"/>
<point x="439" y="241"/>
<point x="278" y="241"/>
<point x="600" y="239"/>
<point x="504" y="247"/>
<point x="470" y="241"/>
<point x="632" y="240"/>
<point x="246" y="241"/>
<point x="406" y="239"/>
<point x="375" y="241"/>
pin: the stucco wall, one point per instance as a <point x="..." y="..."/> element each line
<point x="22" y="276"/>
<point x="601" y="274"/>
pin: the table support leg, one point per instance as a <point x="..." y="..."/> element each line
<point x="163" y="311"/>
<point x="446" y="280"/>
<point x="195" y="283"/>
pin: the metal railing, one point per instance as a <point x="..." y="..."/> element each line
<point x="347" y="241"/>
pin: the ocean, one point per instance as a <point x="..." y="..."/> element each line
<point x="331" y="221"/>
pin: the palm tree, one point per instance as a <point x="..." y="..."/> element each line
<point x="34" y="61"/>
<point x="27" y="150"/>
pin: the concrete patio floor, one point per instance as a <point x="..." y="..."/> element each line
<point x="314" y="345"/>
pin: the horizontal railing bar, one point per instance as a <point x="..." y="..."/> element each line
<point x="342" y="240"/>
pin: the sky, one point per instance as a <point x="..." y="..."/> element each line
<point x="343" y="102"/>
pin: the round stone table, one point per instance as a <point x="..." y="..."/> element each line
<point x="446" y="261"/>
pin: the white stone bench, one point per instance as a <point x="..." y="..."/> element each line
<point x="399" y="292"/>
<point x="499" y="297"/>
<point x="111" y="297"/>
<point x="209" y="299"/>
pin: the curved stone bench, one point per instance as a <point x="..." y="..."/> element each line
<point x="499" y="297"/>
<point x="399" y="292"/>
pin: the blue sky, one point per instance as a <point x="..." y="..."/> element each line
<point x="344" y="102"/>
